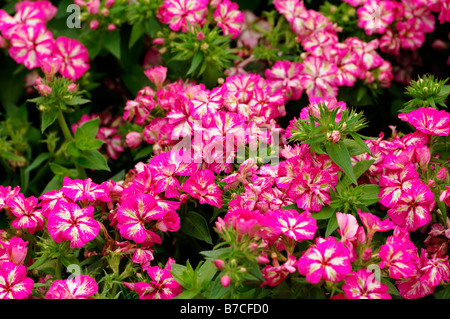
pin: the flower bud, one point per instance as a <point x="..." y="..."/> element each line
<point x="51" y="65"/>
<point x="225" y="280"/>
<point x="94" y="24"/>
<point x="219" y="263"/>
<point x="158" y="41"/>
<point x="361" y="235"/>
<point x="200" y="36"/>
<point x="133" y="139"/>
<point x="17" y="250"/>
<point x="72" y="87"/>
<point x="109" y="3"/>
<point x="442" y="174"/>
<point x="438" y="45"/>
<point x="111" y="27"/>
<point x="367" y="254"/>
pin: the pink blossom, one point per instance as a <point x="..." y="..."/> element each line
<point x="157" y="75"/>
<point x="133" y="215"/>
<point x="27" y="216"/>
<point x="428" y="120"/>
<point x="229" y="18"/>
<point x="80" y="287"/>
<point x="50" y="65"/>
<point x="311" y="189"/>
<point x="75" y="57"/>
<point x="395" y="255"/>
<point x="274" y="275"/>
<point x="133" y="139"/>
<point x="413" y="209"/>
<point x="161" y="286"/>
<point x="15" y="250"/>
<point x="30" y="44"/>
<point x="363" y="285"/>
<point x="166" y="167"/>
<point x="292" y="224"/>
<point x="14" y="283"/>
<point x="373" y="224"/>
<point x="178" y="13"/>
<point x="285" y="76"/>
<point x="348" y="226"/>
<point x="46" y="7"/>
<point x="202" y="185"/>
<point x="328" y="259"/>
<point x="29" y="14"/>
<point x="84" y="190"/>
<point x="375" y="15"/>
<point x="67" y="221"/>
<point x="318" y="77"/>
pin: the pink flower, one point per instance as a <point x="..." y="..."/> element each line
<point x="67" y="221"/>
<point x="229" y="18"/>
<point x="166" y="167"/>
<point x="6" y="193"/>
<point x="133" y="139"/>
<point x="395" y="255"/>
<point x="363" y="285"/>
<point x="15" y="250"/>
<point x="285" y="76"/>
<point x="202" y="185"/>
<point x="80" y="287"/>
<point x="29" y="14"/>
<point x="75" y="57"/>
<point x="318" y="77"/>
<point x="134" y="213"/>
<point x="178" y="13"/>
<point x="27" y="216"/>
<point x="373" y="224"/>
<point x="30" y="44"/>
<point x="274" y="275"/>
<point x="348" y="226"/>
<point x="375" y="15"/>
<point x="161" y="286"/>
<point x="429" y="120"/>
<point x="157" y="75"/>
<point x="50" y="65"/>
<point x="84" y="190"/>
<point x="292" y="224"/>
<point x="14" y="283"/>
<point x="328" y="259"/>
<point x="311" y="189"/>
<point x="413" y="209"/>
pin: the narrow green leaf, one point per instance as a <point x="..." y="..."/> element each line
<point x="332" y="225"/>
<point x="37" y="161"/>
<point x="339" y="155"/>
<point x="48" y="118"/>
<point x="324" y="213"/>
<point x="76" y="100"/>
<point x="92" y="160"/>
<point x="137" y="32"/>
<point x="195" y="225"/>
<point x="358" y="169"/>
<point x="111" y="41"/>
<point x="196" y="60"/>
<point x="206" y="273"/>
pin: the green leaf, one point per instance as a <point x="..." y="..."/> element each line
<point x="12" y="157"/>
<point x="331" y="226"/>
<point x="177" y="272"/>
<point x="195" y="225"/>
<point x="324" y="213"/>
<point x="85" y="136"/>
<point x="357" y="138"/>
<point x="62" y="171"/>
<point x="359" y="169"/>
<point x="216" y="253"/>
<point x="370" y="194"/>
<point x="72" y="149"/>
<point x="392" y="289"/>
<point x="206" y="273"/>
<point x="111" y="41"/>
<point x="93" y="160"/>
<point x="339" y="154"/>
<point x="137" y="32"/>
<point x="196" y="60"/>
<point x="188" y="294"/>
<point x="76" y="100"/>
<point x="48" y="118"/>
<point x="37" y="161"/>
<point x="54" y="184"/>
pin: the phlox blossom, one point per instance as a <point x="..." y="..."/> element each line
<point x="363" y="285"/>
<point x="178" y="13"/>
<point x="14" y="283"/>
<point x="292" y="224"/>
<point x="229" y="18"/>
<point x="67" y="221"/>
<point x="328" y="259"/>
<point x="27" y="216"/>
<point x="80" y="287"/>
<point x="75" y="57"/>
<point x="429" y="120"/>
<point x="84" y="190"/>
<point x="202" y="185"/>
<point x="134" y="213"/>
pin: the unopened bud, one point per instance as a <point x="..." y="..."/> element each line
<point x="219" y="263"/>
<point x="225" y="280"/>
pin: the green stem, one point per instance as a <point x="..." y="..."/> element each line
<point x="69" y="138"/>
<point x="58" y="269"/>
